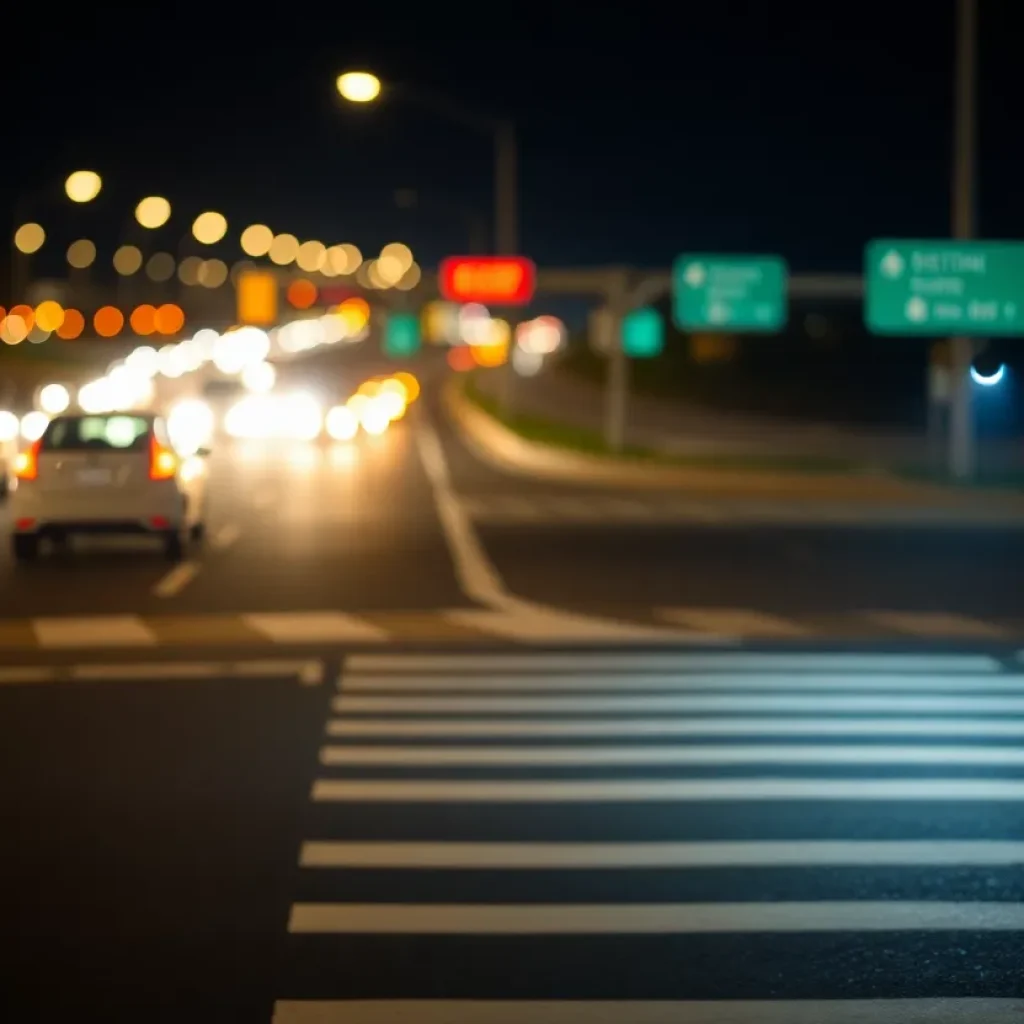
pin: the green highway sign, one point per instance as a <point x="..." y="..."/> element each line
<point x="643" y="333"/>
<point x="944" y="287"/>
<point x="402" y="335"/>
<point x="729" y="293"/>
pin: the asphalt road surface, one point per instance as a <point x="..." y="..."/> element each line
<point x="357" y="528"/>
<point x="148" y="825"/>
<point x="698" y="832"/>
<point x="644" y="831"/>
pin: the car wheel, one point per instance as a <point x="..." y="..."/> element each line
<point x="24" y="547"/>
<point x="174" y="549"/>
<point x="197" y="532"/>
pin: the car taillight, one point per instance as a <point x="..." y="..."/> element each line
<point x="26" y="465"/>
<point x="163" y="463"/>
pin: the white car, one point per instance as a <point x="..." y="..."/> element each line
<point x="113" y="473"/>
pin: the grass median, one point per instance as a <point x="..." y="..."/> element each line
<point x="590" y="442"/>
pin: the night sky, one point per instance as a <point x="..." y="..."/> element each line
<point x="800" y="129"/>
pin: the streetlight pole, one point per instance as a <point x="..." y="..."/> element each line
<point x="506" y="233"/>
<point x="506" y="186"/>
<point x="365" y="87"/>
<point x="961" y="426"/>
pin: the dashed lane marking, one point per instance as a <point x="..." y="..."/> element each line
<point x="176" y="580"/>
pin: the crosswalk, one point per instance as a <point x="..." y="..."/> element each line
<point x="727" y="836"/>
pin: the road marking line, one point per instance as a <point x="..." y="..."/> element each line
<point x="477" y="576"/>
<point x="742" y="621"/>
<point x="601" y="683"/>
<point x="176" y="580"/>
<point x="148" y="670"/>
<point x="502" y="509"/>
<point x="523" y="728"/>
<point x="699" y="754"/>
<point x="582" y="855"/>
<point x="93" y="631"/>
<point x="627" y="508"/>
<point x="27" y="674"/>
<point x="574" y="509"/>
<point x="652" y="918"/>
<point x="480" y="580"/>
<point x="936" y="624"/>
<point x="226" y="536"/>
<point x="313" y="627"/>
<point x="192" y="670"/>
<point x="680" y="661"/>
<point x="731" y="1011"/>
<point x="307" y="672"/>
<point x="528" y="623"/>
<point x="864" y="703"/>
<point x="693" y="511"/>
<point x="660" y="790"/>
<point x="312" y="673"/>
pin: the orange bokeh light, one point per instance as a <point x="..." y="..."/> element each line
<point x="73" y="325"/>
<point x="143" y="320"/>
<point x="108" y="321"/>
<point x="27" y="313"/>
<point x="169" y="319"/>
<point x="357" y="308"/>
<point x="461" y="358"/>
<point x="302" y="293"/>
<point x="489" y="355"/>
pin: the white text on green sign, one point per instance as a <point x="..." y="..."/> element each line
<point x="729" y="293"/>
<point x="940" y="287"/>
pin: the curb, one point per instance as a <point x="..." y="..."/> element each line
<point x="502" y="447"/>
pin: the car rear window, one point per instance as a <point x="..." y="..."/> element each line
<point x="97" y="433"/>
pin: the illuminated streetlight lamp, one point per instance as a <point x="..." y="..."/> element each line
<point x="364" y="87"/>
<point x="82" y="254"/>
<point x="153" y="212"/>
<point x="29" y="238"/>
<point x="358" y="86"/>
<point x="209" y="227"/>
<point x="83" y="186"/>
<point x="257" y="240"/>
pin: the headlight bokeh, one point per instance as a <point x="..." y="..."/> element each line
<point x="162" y="378"/>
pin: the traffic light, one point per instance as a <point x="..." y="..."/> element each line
<point x="643" y="333"/>
<point x="401" y="335"/>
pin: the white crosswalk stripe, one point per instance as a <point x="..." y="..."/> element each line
<point x="488" y="817"/>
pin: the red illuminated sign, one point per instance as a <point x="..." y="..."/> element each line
<point x="491" y="280"/>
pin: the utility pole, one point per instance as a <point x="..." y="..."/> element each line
<point x="617" y="365"/>
<point x="506" y="233"/>
<point x="961" y="423"/>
